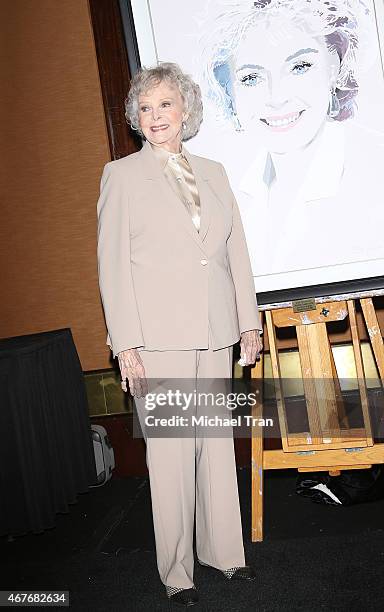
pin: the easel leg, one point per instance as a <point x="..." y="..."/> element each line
<point x="374" y="333"/>
<point x="257" y="459"/>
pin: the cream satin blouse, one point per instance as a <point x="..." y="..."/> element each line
<point x="179" y="174"/>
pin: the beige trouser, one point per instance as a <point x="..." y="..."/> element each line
<point x="192" y="471"/>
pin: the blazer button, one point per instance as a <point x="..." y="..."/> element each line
<point x="203" y="262"/>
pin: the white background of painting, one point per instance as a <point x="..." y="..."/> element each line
<point x="177" y="28"/>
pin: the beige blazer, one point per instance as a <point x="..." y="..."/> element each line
<point x="161" y="282"/>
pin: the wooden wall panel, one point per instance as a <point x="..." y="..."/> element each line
<point x="114" y="73"/>
<point x="53" y="147"/>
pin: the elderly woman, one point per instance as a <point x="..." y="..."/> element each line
<point x="178" y="292"/>
<point x="286" y="75"/>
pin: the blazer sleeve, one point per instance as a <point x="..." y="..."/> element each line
<point x="241" y="270"/>
<point x="114" y="264"/>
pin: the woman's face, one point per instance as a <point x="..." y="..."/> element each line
<point x="161" y="113"/>
<point x="282" y="83"/>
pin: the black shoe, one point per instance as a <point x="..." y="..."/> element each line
<point x="242" y="573"/>
<point x="186" y="598"/>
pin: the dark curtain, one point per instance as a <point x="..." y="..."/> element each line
<point x="46" y="449"/>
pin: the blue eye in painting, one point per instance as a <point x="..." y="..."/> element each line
<point x="251" y="79"/>
<point x="301" y="67"/>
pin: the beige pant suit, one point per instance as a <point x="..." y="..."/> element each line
<point x="182" y="297"/>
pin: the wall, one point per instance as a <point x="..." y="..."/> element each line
<point x="54" y="146"/>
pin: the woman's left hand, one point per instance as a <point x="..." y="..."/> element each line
<point x="251" y="345"/>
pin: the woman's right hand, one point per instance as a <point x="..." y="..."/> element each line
<point x="132" y="367"/>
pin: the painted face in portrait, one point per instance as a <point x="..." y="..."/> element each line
<point x="161" y="113"/>
<point x="282" y="79"/>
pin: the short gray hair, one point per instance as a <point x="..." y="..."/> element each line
<point x="147" y="78"/>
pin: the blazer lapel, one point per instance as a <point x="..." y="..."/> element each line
<point x="153" y="172"/>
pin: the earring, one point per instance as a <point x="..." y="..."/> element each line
<point x="334" y="104"/>
<point x="184" y="125"/>
<point x="238" y="126"/>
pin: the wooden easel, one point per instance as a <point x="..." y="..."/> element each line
<point x="330" y="444"/>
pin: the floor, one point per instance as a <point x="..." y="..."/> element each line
<point x="313" y="557"/>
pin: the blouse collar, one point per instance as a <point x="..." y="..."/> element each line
<point x="163" y="155"/>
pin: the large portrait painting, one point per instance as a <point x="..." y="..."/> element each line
<point x="293" y="94"/>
